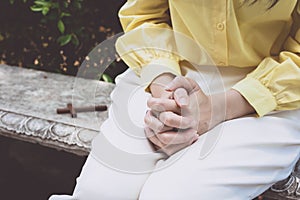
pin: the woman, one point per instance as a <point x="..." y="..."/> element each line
<point x="230" y="132"/>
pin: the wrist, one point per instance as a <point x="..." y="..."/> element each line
<point x="236" y="105"/>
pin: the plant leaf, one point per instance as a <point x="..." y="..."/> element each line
<point x="64" y="14"/>
<point x="64" y="39"/>
<point x="45" y="10"/>
<point x="107" y="78"/>
<point x="66" y="4"/>
<point x="61" y="26"/>
<point x="75" y="40"/>
<point x="36" y="8"/>
<point x="43" y="3"/>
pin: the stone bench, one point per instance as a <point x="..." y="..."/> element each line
<point x="28" y="103"/>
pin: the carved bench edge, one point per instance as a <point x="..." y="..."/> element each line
<point x="48" y="133"/>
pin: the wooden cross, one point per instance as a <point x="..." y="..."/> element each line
<point x="74" y="110"/>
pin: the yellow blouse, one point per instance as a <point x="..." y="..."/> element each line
<point x="233" y="33"/>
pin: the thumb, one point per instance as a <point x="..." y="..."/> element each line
<point x="182" y="82"/>
<point x="181" y="97"/>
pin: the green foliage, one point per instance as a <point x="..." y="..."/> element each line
<point x="57" y="35"/>
<point x="64" y="39"/>
<point x="59" y="11"/>
<point x="107" y="78"/>
<point x="61" y="26"/>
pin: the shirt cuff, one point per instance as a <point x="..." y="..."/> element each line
<point x="157" y="67"/>
<point x="259" y="97"/>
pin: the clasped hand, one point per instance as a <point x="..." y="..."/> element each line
<point x="182" y="113"/>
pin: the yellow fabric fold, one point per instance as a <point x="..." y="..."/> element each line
<point x="273" y="85"/>
<point x="148" y="39"/>
<point x="157" y="67"/>
<point x="231" y="35"/>
<point x="260" y="98"/>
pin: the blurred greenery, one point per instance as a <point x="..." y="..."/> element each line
<point x="57" y="35"/>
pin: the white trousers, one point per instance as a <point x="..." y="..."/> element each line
<point x="239" y="159"/>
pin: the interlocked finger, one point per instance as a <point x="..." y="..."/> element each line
<point x="177" y="121"/>
<point x="155" y="124"/>
<point x="177" y="137"/>
<point x="153" y="138"/>
<point x="171" y="147"/>
<point x="183" y="82"/>
<point x="162" y="105"/>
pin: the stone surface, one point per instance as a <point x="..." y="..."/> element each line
<point x="28" y="103"/>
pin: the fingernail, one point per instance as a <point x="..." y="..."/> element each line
<point x="183" y="101"/>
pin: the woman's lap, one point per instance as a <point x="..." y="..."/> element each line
<point x="239" y="159"/>
<point x="249" y="156"/>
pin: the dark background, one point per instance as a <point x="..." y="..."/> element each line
<point x="29" y="39"/>
<point x="33" y="172"/>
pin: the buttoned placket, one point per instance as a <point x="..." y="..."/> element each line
<point x="220" y="32"/>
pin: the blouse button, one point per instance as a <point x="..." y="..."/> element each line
<point x="220" y="26"/>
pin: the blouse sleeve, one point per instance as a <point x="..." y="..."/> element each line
<point x="275" y="83"/>
<point x="148" y="44"/>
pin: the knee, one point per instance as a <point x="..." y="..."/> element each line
<point x="170" y="190"/>
<point x="194" y="190"/>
